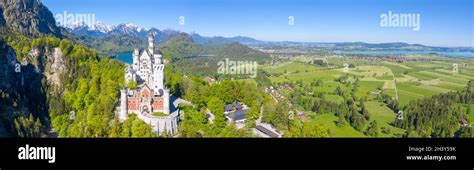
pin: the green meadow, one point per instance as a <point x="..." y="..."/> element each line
<point x="411" y="80"/>
<point x="329" y="121"/>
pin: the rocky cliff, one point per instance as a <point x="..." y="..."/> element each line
<point x="24" y="84"/>
<point x="28" y="17"/>
<point x="2" y="20"/>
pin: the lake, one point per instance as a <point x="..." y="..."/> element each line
<point x="125" y="57"/>
<point x="450" y="54"/>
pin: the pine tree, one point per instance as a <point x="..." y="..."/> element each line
<point x="281" y="116"/>
<point x="37" y="128"/>
<point x="373" y="129"/>
<point x="468" y="111"/>
<point x="313" y="130"/>
<point x="340" y="120"/>
<point x="364" y="110"/>
<point x="216" y="106"/>
<point x="141" y="129"/>
<point x="115" y="129"/>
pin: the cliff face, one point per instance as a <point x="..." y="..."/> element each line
<point x="55" y="66"/>
<point x="24" y="84"/>
<point x="2" y="20"/>
<point x="7" y="66"/>
<point x="28" y="17"/>
<point x="8" y="86"/>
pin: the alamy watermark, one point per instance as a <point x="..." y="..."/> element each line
<point x="37" y="153"/>
<point x="291" y="20"/>
<point x="71" y="19"/>
<point x="407" y="20"/>
<point x="237" y="67"/>
<point x="181" y="20"/>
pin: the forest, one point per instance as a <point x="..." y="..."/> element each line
<point x="82" y="104"/>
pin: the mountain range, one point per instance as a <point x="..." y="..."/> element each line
<point x="101" y="32"/>
<point x="32" y="18"/>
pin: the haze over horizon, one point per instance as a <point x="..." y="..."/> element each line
<point x="443" y="23"/>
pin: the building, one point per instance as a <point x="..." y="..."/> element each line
<point x="150" y="100"/>
<point x="267" y="131"/>
<point x="235" y="112"/>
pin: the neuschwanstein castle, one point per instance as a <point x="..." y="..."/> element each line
<point x="150" y="101"/>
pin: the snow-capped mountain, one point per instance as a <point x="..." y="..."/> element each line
<point x="101" y="30"/>
<point x="97" y="30"/>
<point x="117" y="38"/>
<point x="101" y="27"/>
<point x="129" y="29"/>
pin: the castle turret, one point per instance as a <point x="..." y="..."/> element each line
<point x="151" y="40"/>
<point x="158" y="59"/>
<point x="136" y="59"/>
<point x="166" y="101"/>
<point x="123" y="105"/>
<point x="158" y="77"/>
<point x="129" y="76"/>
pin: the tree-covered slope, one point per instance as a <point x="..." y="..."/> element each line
<point x="201" y="59"/>
<point x="439" y="116"/>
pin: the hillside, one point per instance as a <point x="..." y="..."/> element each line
<point x="111" y="40"/>
<point x="28" y="17"/>
<point x="52" y="87"/>
<point x="201" y="59"/>
<point x="24" y="93"/>
<point x="113" y="44"/>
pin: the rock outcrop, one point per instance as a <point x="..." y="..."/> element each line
<point x="28" y="17"/>
<point x="25" y="84"/>
<point x="2" y="20"/>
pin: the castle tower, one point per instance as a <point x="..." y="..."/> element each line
<point x="129" y="75"/>
<point x="136" y="59"/>
<point x="158" y="77"/>
<point x="151" y="46"/>
<point x="166" y="101"/>
<point x="158" y="59"/>
<point x="123" y="105"/>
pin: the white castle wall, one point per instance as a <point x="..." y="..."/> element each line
<point x="123" y="105"/>
<point x="166" y="101"/>
<point x="162" y="124"/>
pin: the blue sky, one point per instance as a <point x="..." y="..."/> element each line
<point x="442" y="22"/>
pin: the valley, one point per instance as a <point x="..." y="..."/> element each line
<point x="66" y="81"/>
<point x="407" y="81"/>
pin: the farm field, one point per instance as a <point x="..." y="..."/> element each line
<point x="329" y="121"/>
<point x="384" y="116"/>
<point x="308" y="77"/>
<point x="334" y="98"/>
<point x="366" y="87"/>
<point x="289" y="68"/>
<point x="405" y="81"/>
